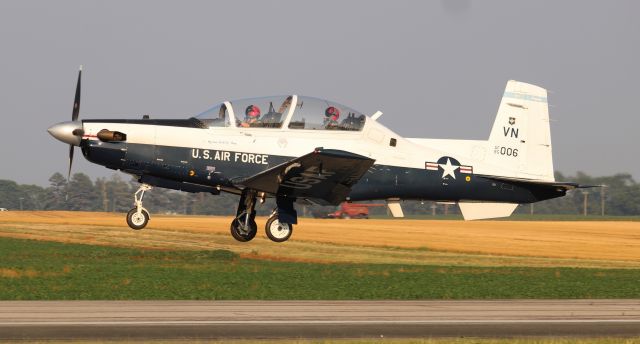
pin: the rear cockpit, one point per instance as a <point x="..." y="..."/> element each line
<point x="292" y="112"/>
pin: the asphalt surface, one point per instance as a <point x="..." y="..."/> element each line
<point x="315" y="319"/>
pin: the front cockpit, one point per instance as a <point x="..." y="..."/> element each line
<point x="291" y="112"/>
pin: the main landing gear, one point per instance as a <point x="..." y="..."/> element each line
<point x="278" y="231"/>
<point x="138" y="217"/>
<point x="279" y="226"/>
<point x="244" y="227"/>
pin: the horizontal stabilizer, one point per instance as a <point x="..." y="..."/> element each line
<point x="479" y="211"/>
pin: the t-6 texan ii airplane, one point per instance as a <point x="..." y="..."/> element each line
<point x="300" y="149"/>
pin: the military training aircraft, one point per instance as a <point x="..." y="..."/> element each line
<point x="307" y="150"/>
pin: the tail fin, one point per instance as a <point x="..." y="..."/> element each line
<point x="520" y="140"/>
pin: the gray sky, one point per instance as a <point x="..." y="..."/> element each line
<point x="435" y="68"/>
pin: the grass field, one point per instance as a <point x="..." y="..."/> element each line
<point x="42" y="270"/>
<point x="71" y="255"/>
<point x="380" y="341"/>
<point x="368" y="341"/>
<point x="416" y="242"/>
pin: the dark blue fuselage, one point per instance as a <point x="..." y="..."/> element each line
<point x="202" y="170"/>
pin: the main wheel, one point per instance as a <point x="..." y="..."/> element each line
<point x="238" y="233"/>
<point x="137" y="220"/>
<point x="278" y="231"/>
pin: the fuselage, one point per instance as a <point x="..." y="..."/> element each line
<point x="217" y="157"/>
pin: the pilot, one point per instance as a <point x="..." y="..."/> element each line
<point x="331" y="115"/>
<point x="251" y="116"/>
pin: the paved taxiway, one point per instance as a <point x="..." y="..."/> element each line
<point x="314" y="319"/>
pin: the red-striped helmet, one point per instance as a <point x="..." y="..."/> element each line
<point x="252" y="111"/>
<point x="332" y="113"/>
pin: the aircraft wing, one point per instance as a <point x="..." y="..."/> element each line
<point x="325" y="175"/>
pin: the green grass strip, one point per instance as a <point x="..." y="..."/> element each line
<point x="38" y="270"/>
<point x="363" y="341"/>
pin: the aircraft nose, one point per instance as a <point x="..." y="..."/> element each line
<point x="67" y="132"/>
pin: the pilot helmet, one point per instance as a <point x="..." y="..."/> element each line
<point x="252" y="111"/>
<point x="332" y="113"/>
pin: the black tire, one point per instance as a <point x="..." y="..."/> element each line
<point x="278" y="232"/>
<point x="136" y="222"/>
<point x="236" y="234"/>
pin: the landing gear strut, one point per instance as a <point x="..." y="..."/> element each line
<point x="279" y="225"/>
<point x="244" y="227"/>
<point x="138" y="217"/>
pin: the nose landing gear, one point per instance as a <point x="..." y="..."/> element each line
<point x="138" y="217"/>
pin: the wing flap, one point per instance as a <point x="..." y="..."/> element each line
<point x="325" y="175"/>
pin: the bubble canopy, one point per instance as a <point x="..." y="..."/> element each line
<point x="290" y="112"/>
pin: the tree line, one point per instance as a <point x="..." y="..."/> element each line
<point x="109" y="194"/>
<point x="621" y="196"/>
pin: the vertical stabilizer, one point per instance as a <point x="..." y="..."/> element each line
<point x="520" y="139"/>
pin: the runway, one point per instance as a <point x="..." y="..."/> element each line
<point x="315" y="319"/>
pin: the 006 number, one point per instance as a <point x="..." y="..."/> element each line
<point x="506" y="151"/>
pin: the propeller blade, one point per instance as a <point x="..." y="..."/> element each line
<point x="76" y="101"/>
<point x="66" y="197"/>
<point x="70" y="162"/>
<point x="74" y="117"/>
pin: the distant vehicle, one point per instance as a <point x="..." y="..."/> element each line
<point x="353" y="211"/>
<point x="4" y="209"/>
<point x="305" y="150"/>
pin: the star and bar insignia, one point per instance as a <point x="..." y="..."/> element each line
<point x="448" y="166"/>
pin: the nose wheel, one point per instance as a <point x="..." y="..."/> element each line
<point x="278" y="231"/>
<point x="137" y="220"/>
<point x="138" y="217"/>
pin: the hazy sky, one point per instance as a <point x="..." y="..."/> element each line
<point x="435" y="68"/>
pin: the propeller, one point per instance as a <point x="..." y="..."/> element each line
<point x="70" y="132"/>
<point x="74" y="117"/>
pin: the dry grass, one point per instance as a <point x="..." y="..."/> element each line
<point x="483" y="243"/>
<point x="19" y="273"/>
<point x="381" y="340"/>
